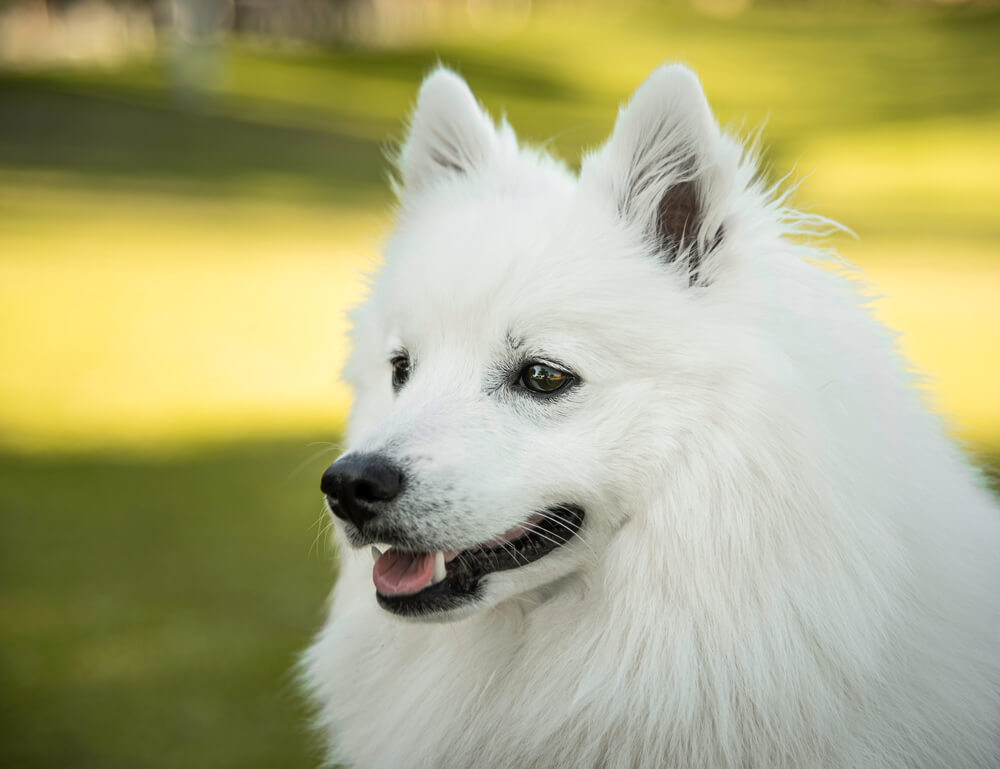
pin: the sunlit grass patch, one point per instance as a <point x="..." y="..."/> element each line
<point x="900" y="181"/>
<point x="942" y="298"/>
<point x="158" y="319"/>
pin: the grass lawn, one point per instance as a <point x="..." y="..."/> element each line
<point x="173" y="284"/>
<point x="151" y="609"/>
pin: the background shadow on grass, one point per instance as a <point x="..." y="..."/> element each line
<point x="151" y="610"/>
<point x="252" y="141"/>
<point x="108" y="142"/>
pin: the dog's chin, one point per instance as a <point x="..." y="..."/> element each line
<point x="468" y="580"/>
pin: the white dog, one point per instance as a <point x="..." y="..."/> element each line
<point x="658" y="488"/>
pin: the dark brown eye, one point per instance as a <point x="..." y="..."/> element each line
<point x="544" y="379"/>
<point x="400" y="371"/>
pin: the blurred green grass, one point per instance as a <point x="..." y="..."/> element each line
<point x="151" y="609"/>
<point x="172" y="283"/>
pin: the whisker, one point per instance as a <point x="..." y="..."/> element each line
<point x="329" y="448"/>
<point x="553" y="514"/>
<point x="322" y="525"/>
<point x="515" y="554"/>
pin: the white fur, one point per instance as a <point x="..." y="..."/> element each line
<point x="785" y="562"/>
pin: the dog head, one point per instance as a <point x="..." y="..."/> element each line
<point x="536" y="345"/>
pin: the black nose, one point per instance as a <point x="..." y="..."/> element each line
<point x="357" y="483"/>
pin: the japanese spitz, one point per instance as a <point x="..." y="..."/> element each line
<point x="644" y="482"/>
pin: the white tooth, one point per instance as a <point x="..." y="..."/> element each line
<point x="438" y="567"/>
<point x="376" y="553"/>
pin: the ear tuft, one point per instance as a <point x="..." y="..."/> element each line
<point x="662" y="167"/>
<point x="449" y="134"/>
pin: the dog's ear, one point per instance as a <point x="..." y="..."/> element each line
<point x="663" y="169"/>
<point x="449" y="134"/>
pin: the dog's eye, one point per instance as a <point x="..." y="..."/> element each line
<point x="400" y="371"/>
<point x="540" y="378"/>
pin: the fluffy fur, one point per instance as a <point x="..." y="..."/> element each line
<point x="785" y="562"/>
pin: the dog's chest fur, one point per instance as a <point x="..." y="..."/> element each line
<point x="520" y="687"/>
<point x="485" y="692"/>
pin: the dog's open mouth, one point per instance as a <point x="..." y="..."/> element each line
<point x="412" y="583"/>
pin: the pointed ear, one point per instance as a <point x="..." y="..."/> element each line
<point x="662" y="166"/>
<point x="449" y="134"/>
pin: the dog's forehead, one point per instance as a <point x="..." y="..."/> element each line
<point x="487" y="264"/>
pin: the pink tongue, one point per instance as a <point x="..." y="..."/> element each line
<point x="401" y="573"/>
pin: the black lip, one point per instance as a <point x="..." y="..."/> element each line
<point x="462" y="583"/>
